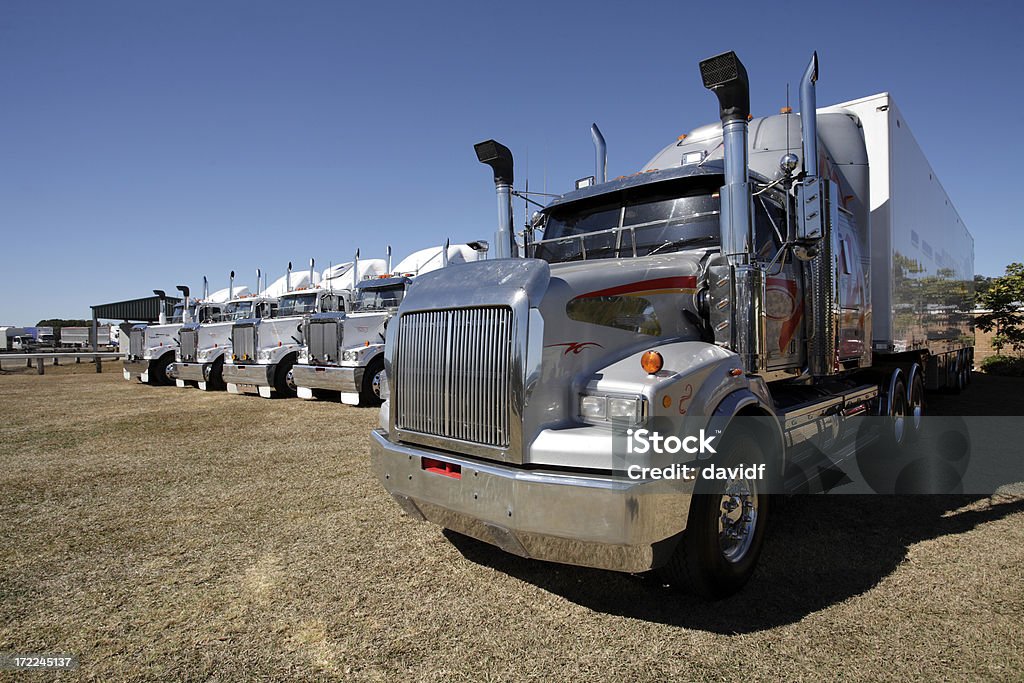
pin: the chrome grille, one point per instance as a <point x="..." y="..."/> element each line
<point x="135" y="343"/>
<point x="453" y="374"/>
<point x="243" y="342"/>
<point x="188" y="339"/>
<point x="322" y="340"/>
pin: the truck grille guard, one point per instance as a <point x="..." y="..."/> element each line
<point x="323" y="340"/>
<point x="135" y="343"/>
<point x="457" y="380"/>
<point x="188" y="340"/>
<point x="243" y="341"/>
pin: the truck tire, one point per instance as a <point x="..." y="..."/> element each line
<point x="915" y="405"/>
<point x="283" y="384"/>
<point x="718" y="552"/>
<point x="158" y="371"/>
<point x="369" y="394"/>
<point x="214" y="375"/>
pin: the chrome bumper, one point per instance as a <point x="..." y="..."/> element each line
<point x="135" y="368"/>
<point x="189" y="372"/>
<point x="344" y="379"/>
<point x="253" y="373"/>
<point x="602" y="521"/>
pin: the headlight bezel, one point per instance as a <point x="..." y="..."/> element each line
<point x="607" y="409"/>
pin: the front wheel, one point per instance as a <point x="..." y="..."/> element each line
<point x="284" y="384"/>
<point x="718" y="552"/>
<point x="369" y="393"/>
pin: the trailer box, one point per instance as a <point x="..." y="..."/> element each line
<point x="922" y="255"/>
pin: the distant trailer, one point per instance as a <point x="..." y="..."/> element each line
<point x="81" y="337"/>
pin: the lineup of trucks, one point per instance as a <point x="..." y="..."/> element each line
<point x="773" y="281"/>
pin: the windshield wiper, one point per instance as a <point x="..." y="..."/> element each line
<point x="677" y="243"/>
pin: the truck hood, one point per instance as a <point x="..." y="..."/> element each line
<point x="584" y="316"/>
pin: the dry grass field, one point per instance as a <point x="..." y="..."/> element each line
<point x="171" y="534"/>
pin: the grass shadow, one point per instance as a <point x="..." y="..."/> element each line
<point x="821" y="550"/>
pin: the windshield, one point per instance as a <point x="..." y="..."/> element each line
<point x="237" y="310"/>
<point x="299" y="304"/>
<point x="379" y="299"/>
<point x="176" y="315"/>
<point x="632" y="226"/>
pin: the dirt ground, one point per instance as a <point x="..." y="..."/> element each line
<point x="164" y="533"/>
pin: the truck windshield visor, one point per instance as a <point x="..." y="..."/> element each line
<point x="631" y="225"/>
<point x="299" y="304"/>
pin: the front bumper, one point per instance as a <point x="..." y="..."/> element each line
<point x="253" y="374"/>
<point x="189" y="371"/>
<point x="604" y="521"/>
<point x="344" y="379"/>
<point x="136" y="368"/>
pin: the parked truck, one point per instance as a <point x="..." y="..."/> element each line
<point x="770" y="283"/>
<point x="344" y="352"/>
<point x="264" y="351"/>
<point x="151" y="347"/>
<point x="203" y="343"/>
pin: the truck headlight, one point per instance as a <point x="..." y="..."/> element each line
<point x="605" y="409"/>
<point x="350" y="355"/>
<point x="203" y="354"/>
<point x="264" y="354"/>
<point x="303" y="355"/>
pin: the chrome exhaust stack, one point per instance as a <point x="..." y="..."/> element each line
<point x="600" y="154"/>
<point x="389" y="260"/>
<point x="162" y="315"/>
<point x="311" y="264"/>
<point x="288" y="278"/>
<point x="206" y="288"/>
<point x="186" y="314"/>
<point x="817" y="213"/>
<point x="444" y="253"/>
<point x="809" y="118"/>
<point x="499" y="158"/>
<point x="736" y="289"/>
<point x="231" y="286"/>
<point x="355" y="271"/>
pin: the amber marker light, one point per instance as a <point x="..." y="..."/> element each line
<point x="666" y="401"/>
<point x="651" y="362"/>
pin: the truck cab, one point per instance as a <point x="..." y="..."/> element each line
<point x="345" y="353"/>
<point x="151" y="348"/>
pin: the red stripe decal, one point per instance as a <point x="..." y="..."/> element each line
<point x="681" y="282"/>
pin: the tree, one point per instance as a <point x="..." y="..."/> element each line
<point x="1004" y="300"/>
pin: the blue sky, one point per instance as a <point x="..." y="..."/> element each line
<point x="146" y="144"/>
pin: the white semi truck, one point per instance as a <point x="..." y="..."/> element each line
<point x="345" y="353"/>
<point x="769" y="282"/>
<point x="264" y="351"/>
<point x="204" y="342"/>
<point x="151" y="348"/>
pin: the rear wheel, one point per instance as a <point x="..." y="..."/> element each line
<point x="718" y="552"/>
<point x="369" y="394"/>
<point x="915" y="405"/>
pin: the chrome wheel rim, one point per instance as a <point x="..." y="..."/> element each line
<point x="376" y="382"/>
<point x="737" y="519"/>
<point x="917" y="406"/>
<point x="289" y="380"/>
